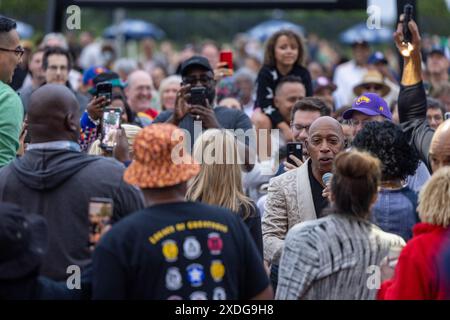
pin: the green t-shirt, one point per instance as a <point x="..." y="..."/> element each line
<point x="11" y="119"/>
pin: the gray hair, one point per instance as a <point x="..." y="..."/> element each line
<point x="245" y="73"/>
<point x="167" y="81"/>
<point x="59" y="37"/>
<point x="125" y="65"/>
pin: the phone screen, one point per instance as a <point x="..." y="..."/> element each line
<point x="296" y="149"/>
<point x="100" y="213"/>
<point x="110" y="124"/>
<point x="227" y="56"/>
<point x="198" y="96"/>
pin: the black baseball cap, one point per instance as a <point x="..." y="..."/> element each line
<point x="197" y="61"/>
<point x="23" y="241"/>
<point x="109" y="76"/>
<point x="360" y="42"/>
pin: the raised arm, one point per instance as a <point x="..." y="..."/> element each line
<point x="412" y="104"/>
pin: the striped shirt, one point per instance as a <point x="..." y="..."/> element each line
<point x="331" y="258"/>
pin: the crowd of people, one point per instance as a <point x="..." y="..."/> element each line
<point x="206" y="200"/>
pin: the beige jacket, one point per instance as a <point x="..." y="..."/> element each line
<point x="289" y="201"/>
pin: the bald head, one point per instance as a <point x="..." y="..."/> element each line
<point x="139" y="76"/>
<point x="139" y="90"/>
<point x="53" y="114"/>
<point x="325" y="141"/>
<point x="326" y="122"/>
<point x="440" y="147"/>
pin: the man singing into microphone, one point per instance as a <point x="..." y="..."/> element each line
<point x="298" y="195"/>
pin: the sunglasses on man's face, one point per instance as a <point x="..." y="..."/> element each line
<point x="204" y="79"/>
<point x="19" y="51"/>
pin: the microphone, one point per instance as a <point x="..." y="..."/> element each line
<point x="326" y="178"/>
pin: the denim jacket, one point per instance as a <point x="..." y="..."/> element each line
<point x="395" y="211"/>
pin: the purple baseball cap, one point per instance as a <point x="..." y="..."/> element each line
<point x="370" y="104"/>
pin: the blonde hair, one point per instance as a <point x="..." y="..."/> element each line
<point x="131" y="131"/>
<point x="434" y="199"/>
<point x="95" y="150"/>
<point x="219" y="182"/>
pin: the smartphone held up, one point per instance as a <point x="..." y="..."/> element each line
<point x="104" y="89"/>
<point x="111" y="123"/>
<point x="198" y="96"/>
<point x="100" y="213"/>
<point x="295" y="149"/>
<point x="227" y="57"/>
<point x="407" y="37"/>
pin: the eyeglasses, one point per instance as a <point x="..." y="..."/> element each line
<point x="356" y="123"/>
<point x="299" y="127"/>
<point x="204" y="79"/>
<point x="19" y="51"/>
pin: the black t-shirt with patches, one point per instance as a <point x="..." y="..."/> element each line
<point x="184" y="250"/>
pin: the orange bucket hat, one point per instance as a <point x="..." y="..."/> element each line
<point x="160" y="159"/>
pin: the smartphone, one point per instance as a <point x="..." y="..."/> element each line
<point x="227" y="56"/>
<point x="111" y="122"/>
<point x="198" y="96"/>
<point x="100" y="213"/>
<point x="104" y="89"/>
<point x="447" y="116"/>
<point x="408" y="12"/>
<point x="296" y="149"/>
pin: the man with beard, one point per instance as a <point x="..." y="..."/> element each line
<point x="196" y="72"/>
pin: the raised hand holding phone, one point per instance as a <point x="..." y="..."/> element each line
<point x="225" y="67"/>
<point x="198" y="96"/>
<point x="111" y="122"/>
<point x="407" y="37"/>
<point x="181" y="104"/>
<point x="412" y="71"/>
<point x="206" y="115"/>
<point x="121" y="150"/>
<point x="104" y="89"/>
<point x="100" y="213"/>
<point x="95" y="107"/>
<point x="294" y="156"/>
<point x="227" y="57"/>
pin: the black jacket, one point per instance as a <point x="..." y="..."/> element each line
<point x="34" y="287"/>
<point x="59" y="185"/>
<point x="412" y="111"/>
